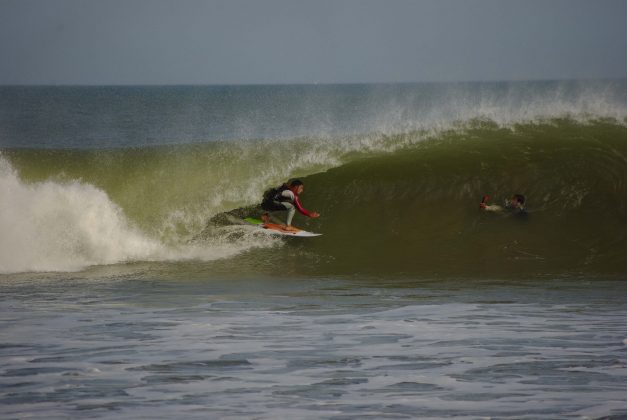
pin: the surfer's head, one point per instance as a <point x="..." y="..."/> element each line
<point x="516" y="201"/>
<point x="296" y="185"/>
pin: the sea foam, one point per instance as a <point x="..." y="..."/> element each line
<point x="52" y="226"/>
<point x="68" y="226"/>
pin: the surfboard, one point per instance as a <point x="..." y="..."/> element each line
<point x="274" y="229"/>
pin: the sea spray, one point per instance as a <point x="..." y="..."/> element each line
<point x="114" y="117"/>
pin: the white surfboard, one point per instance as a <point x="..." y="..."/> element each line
<point x="274" y="229"/>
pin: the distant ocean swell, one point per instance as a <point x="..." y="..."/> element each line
<point x="404" y="203"/>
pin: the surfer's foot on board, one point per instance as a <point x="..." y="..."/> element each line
<point x="265" y="218"/>
<point x="290" y="229"/>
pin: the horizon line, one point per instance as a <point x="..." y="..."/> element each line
<point x="538" y="80"/>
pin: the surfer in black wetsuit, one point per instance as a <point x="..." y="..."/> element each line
<point x="514" y="204"/>
<point x="285" y="198"/>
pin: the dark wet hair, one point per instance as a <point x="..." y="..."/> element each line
<point x="295" y="182"/>
<point x="519" y="198"/>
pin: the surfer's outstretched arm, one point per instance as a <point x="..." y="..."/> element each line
<point x="304" y="211"/>
<point x="485" y="206"/>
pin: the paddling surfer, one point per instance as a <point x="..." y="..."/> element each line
<point x="514" y="204"/>
<point x="285" y="198"/>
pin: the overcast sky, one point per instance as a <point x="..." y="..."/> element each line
<point x="315" y="41"/>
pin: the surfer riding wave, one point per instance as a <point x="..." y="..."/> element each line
<point x="285" y="198"/>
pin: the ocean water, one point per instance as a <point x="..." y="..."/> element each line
<point x="125" y="293"/>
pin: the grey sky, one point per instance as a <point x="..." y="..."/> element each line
<point x="295" y="41"/>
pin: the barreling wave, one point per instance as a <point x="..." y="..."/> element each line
<point x="416" y="211"/>
<point x="403" y="203"/>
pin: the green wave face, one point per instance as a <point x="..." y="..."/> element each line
<point x="404" y="204"/>
<point x="416" y="211"/>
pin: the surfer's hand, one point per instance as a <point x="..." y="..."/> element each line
<point x="315" y="214"/>
<point x="482" y="205"/>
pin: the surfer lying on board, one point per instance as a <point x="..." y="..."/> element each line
<point x="285" y="198"/>
<point x="516" y="203"/>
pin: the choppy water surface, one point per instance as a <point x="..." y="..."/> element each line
<point x="119" y="345"/>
